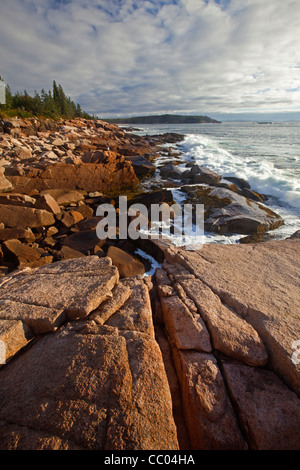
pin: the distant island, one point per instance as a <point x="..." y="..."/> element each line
<point x="164" y="119"/>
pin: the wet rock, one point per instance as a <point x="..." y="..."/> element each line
<point x="141" y="165"/>
<point x="228" y="212"/>
<point x="253" y="195"/>
<point x="154" y="197"/>
<point x="295" y="235"/>
<point x="239" y="182"/>
<point x="127" y="265"/>
<point x="170" y="171"/>
<point x="201" y="175"/>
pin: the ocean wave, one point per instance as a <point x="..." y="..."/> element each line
<point x="261" y="173"/>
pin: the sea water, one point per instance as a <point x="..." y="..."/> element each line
<point x="265" y="155"/>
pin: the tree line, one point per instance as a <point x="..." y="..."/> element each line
<point x="51" y="104"/>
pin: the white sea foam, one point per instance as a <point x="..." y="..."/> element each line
<point x="262" y="175"/>
<point x="267" y="157"/>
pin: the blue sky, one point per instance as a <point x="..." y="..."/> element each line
<point x="129" y="57"/>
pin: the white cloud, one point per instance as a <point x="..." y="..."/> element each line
<point x="132" y="57"/>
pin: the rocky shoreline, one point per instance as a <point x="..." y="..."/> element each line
<point x="97" y="355"/>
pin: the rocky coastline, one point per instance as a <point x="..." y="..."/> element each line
<point x="95" y="353"/>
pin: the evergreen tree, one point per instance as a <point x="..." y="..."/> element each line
<point x="8" y="97"/>
<point x="78" y="110"/>
<point x="56" y="95"/>
<point x="53" y="105"/>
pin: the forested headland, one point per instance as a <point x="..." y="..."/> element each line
<point x="53" y="104"/>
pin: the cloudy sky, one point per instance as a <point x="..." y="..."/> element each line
<point x="132" y="57"/>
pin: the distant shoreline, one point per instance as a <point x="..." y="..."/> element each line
<point x="164" y="119"/>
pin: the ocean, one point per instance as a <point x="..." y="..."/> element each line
<point x="265" y="155"/>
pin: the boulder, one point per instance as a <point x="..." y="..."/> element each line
<point x="154" y="197"/>
<point x="239" y="182"/>
<point x="24" y="217"/>
<point x="23" y="153"/>
<point x="68" y="253"/>
<point x="141" y="165"/>
<point x="83" y="241"/>
<point x="228" y="212"/>
<point x="170" y="171"/>
<point x="106" y="176"/>
<point x="48" y="203"/>
<point x="17" y="199"/>
<point x="248" y="193"/>
<point x="63" y="197"/>
<point x="22" y="234"/>
<point x="70" y="218"/>
<point x="5" y="184"/>
<point x="19" y="253"/>
<point x="88" y="223"/>
<point x="85" y="210"/>
<point x="201" y="175"/>
<point x="127" y="265"/>
<point x="295" y="234"/>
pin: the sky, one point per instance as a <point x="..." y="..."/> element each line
<point x="221" y="58"/>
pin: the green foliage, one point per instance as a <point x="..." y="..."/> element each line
<point x="54" y="105"/>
